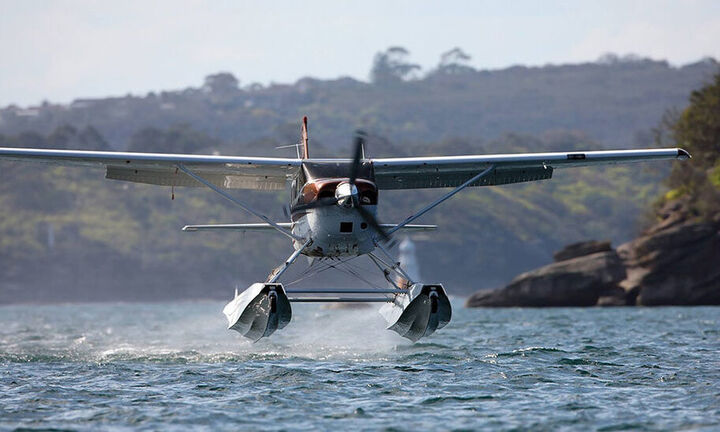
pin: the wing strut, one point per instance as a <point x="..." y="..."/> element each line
<point x="442" y="199"/>
<point x="240" y="203"/>
<point x="275" y="274"/>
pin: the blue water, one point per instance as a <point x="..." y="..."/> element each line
<point x="175" y="366"/>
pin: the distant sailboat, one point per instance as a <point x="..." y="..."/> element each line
<point x="408" y="261"/>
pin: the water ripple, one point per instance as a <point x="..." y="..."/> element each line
<point x="174" y="366"/>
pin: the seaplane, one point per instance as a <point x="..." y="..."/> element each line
<point x="333" y="214"/>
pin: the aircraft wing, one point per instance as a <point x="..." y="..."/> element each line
<point x="451" y="171"/>
<point x="245" y="227"/>
<point x="235" y="172"/>
<point x="230" y="172"/>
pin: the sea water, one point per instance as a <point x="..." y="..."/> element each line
<point x="175" y="366"/>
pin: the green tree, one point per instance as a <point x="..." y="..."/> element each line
<point x="391" y="66"/>
<point x="697" y="130"/>
<point x="221" y="83"/>
<point x="454" y="62"/>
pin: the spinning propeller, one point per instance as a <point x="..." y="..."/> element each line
<point x="346" y="193"/>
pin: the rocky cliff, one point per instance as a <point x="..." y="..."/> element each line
<point x="676" y="262"/>
<point x="582" y="273"/>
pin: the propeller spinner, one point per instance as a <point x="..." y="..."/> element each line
<point x="346" y="193"/>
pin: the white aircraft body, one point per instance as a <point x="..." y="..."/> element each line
<point x="333" y="206"/>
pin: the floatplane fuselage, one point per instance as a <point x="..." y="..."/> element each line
<point x="335" y="230"/>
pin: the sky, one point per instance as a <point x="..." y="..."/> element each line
<point x="62" y="50"/>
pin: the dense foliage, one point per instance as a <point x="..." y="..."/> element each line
<point x="697" y="129"/>
<point x="66" y="233"/>
<point x="610" y="101"/>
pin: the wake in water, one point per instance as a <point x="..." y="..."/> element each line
<point x="186" y="332"/>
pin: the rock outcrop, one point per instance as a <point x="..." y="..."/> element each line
<point x="676" y="262"/>
<point x="679" y="265"/>
<point x="581" y="249"/>
<point x="593" y="271"/>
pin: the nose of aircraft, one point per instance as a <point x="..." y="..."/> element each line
<point x="346" y="194"/>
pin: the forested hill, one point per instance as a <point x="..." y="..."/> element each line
<point x="68" y="234"/>
<point x="611" y="101"/>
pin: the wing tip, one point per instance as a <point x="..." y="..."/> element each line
<point x="683" y="154"/>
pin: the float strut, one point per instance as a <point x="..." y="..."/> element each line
<point x="275" y="275"/>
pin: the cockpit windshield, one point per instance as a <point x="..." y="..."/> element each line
<point x="317" y="170"/>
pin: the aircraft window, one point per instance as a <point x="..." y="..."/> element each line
<point x="346" y="227"/>
<point x="335" y="169"/>
<point x="297" y="186"/>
